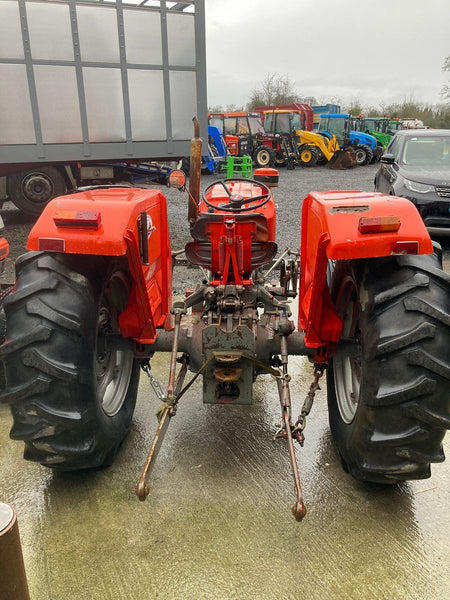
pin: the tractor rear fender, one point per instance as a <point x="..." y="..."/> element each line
<point x="341" y="225"/>
<point x="108" y="222"/>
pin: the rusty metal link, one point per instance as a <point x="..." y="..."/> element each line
<point x="300" y="424"/>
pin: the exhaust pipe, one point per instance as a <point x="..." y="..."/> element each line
<point x="194" y="174"/>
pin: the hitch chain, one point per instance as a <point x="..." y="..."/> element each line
<point x="171" y="401"/>
<point x="300" y="424"/>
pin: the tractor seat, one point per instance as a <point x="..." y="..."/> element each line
<point x="201" y="231"/>
<point x="252" y="239"/>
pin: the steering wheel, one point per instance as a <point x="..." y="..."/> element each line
<point x="236" y="201"/>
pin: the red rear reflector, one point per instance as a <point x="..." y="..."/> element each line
<point x="405" y="248"/>
<point x="77" y="218"/>
<point x="52" y="244"/>
<point x="378" y="224"/>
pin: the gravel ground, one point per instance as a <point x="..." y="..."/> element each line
<point x="293" y="187"/>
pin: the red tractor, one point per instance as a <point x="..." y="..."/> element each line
<point x="244" y="134"/>
<point x="92" y="304"/>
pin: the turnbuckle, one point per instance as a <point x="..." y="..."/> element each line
<point x="300" y="424"/>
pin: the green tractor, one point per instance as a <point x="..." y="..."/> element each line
<point x="376" y="126"/>
<point x="394" y="125"/>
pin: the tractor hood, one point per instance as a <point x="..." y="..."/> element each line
<point x="364" y="138"/>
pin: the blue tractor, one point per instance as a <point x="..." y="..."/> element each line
<point x="364" y="144"/>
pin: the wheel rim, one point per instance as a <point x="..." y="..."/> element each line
<point x="347" y="370"/>
<point x="113" y="366"/>
<point x="38" y="188"/>
<point x="263" y="158"/>
<point x="360" y="156"/>
<point x="306" y="156"/>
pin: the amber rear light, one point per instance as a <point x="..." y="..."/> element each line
<point x="378" y="224"/>
<point x="77" y="218"/>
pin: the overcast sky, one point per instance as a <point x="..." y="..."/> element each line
<point x="372" y="50"/>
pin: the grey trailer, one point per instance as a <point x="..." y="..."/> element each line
<point x="90" y="83"/>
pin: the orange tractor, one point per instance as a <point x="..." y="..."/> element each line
<point x="92" y="304"/>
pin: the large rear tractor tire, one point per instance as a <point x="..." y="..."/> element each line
<point x="32" y="190"/>
<point x="363" y="155"/>
<point x="264" y="156"/>
<point x="71" y="388"/>
<point x="389" y="404"/>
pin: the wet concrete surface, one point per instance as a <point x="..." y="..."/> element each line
<point x="217" y="523"/>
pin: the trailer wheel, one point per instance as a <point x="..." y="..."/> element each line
<point x="363" y="155"/>
<point x="32" y="190"/>
<point x="264" y="156"/>
<point x="308" y="155"/>
<point x="389" y="404"/>
<point x="72" y="390"/>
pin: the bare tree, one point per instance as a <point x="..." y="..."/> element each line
<point x="336" y="100"/>
<point x="311" y="100"/>
<point x="355" y="107"/>
<point x="275" y="89"/>
<point x="233" y="108"/>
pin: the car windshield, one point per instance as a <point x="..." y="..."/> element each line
<point x="426" y="152"/>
